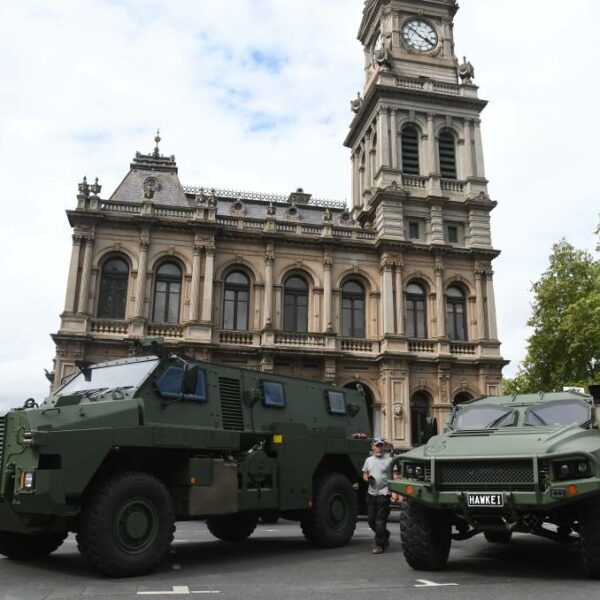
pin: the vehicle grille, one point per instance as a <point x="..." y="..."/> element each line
<point x="2" y="433"/>
<point x="231" y="404"/>
<point x="485" y="475"/>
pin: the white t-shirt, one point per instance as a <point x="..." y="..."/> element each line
<point x="376" y="468"/>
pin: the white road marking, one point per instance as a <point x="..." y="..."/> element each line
<point x="426" y="583"/>
<point x="179" y="590"/>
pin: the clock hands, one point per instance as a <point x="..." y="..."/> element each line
<point x="426" y="40"/>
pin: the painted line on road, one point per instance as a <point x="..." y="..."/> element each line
<point x="178" y="590"/>
<point x="423" y="583"/>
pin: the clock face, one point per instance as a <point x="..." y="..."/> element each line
<point x="420" y="36"/>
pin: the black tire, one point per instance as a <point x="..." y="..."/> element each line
<point x="18" y="546"/>
<point x="498" y="537"/>
<point x="332" y="520"/>
<point x="232" y="528"/>
<point x="126" y="525"/>
<point x="426" y="536"/>
<point x="589" y="537"/>
<point x="269" y="518"/>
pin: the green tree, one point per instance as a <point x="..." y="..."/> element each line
<point x="565" y="346"/>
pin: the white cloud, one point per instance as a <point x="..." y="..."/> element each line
<point x="254" y="94"/>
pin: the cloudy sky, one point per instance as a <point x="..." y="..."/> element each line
<point x="254" y="94"/>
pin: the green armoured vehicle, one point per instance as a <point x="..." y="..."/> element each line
<point x="523" y="463"/>
<point x="127" y="448"/>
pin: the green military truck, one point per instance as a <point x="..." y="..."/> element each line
<point x="522" y="463"/>
<point x="127" y="448"/>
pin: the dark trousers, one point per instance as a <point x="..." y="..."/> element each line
<point x="378" y="513"/>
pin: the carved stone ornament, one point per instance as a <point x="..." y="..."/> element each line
<point x="382" y="51"/>
<point x="398" y="411"/>
<point x="84" y="188"/>
<point x="238" y="209"/>
<point x="151" y="186"/>
<point x="356" y="104"/>
<point x="327" y="216"/>
<point x="466" y="71"/>
<point x="293" y="214"/>
<point x="271" y="210"/>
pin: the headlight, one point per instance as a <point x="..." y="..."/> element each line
<point x="413" y="471"/>
<point x="572" y="469"/>
<point x="27" y="481"/>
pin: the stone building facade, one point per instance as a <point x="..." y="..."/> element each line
<point x="394" y="292"/>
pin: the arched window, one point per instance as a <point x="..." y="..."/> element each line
<point x="353" y="309"/>
<point x="410" y="150"/>
<point x="420" y="411"/>
<point x="456" y="312"/>
<point x="112" y="300"/>
<point x="461" y="398"/>
<point x="295" y="305"/>
<point x="416" y="311"/>
<point x="447" y="151"/>
<point x="167" y="294"/>
<point x="236" y="302"/>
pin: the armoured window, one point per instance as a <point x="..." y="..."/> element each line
<point x="112" y="300"/>
<point x="236" y="302"/>
<point x="353" y="310"/>
<point x="410" y="150"/>
<point x="559" y="412"/>
<point x="416" y="311"/>
<point x="274" y="394"/>
<point x="170" y="385"/>
<point x="456" y="316"/>
<point x="295" y="305"/>
<point x="167" y="294"/>
<point x="337" y="403"/>
<point x="447" y="152"/>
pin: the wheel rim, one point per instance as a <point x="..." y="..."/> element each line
<point x="337" y="511"/>
<point x="136" y="525"/>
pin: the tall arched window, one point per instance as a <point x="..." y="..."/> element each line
<point x="410" y="150"/>
<point x="420" y="411"/>
<point x="353" y="309"/>
<point x="236" y="302"/>
<point x="112" y="299"/>
<point x="416" y="311"/>
<point x="461" y="398"/>
<point x="447" y="151"/>
<point x="456" y="311"/>
<point x="167" y="294"/>
<point x="295" y="305"/>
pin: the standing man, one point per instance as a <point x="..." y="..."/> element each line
<point x="378" y="498"/>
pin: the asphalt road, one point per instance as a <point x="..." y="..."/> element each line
<point x="277" y="563"/>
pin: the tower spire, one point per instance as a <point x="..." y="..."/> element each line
<point x="157" y="139"/>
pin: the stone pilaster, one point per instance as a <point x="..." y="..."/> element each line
<point x="86" y="271"/>
<point x="388" y="297"/>
<point x="73" y="269"/>
<point x="195" y="291"/>
<point x="394" y="138"/>
<point x="468" y="155"/>
<point x="209" y="275"/>
<point x="140" y="288"/>
<point x="440" y="301"/>
<point x="327" y="293"/>
<point x="480" y="164"/>
<point x="399" y="267"/>
<point x="479" y="306"/>
<point x="269" y="263"/>
<point x="383" y="139"/>
<point x="491" y="306"/>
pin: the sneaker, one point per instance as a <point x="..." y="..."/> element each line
<point x="378" y="550"/>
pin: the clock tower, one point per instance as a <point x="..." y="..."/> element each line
<point x="418" y="181"/>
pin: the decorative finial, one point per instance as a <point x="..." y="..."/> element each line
<point x="466" y="71"/>
<point x="96" y="188"/>
<point x="84" y="188"/>
<point x="356" y="105"/>
<point x="157" y="140"/>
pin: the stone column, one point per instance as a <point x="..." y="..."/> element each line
<point x="140" y="288"/>
<point x="468" y="162"/>
<point x="383" y="139"/>
<point x="86" y="271"/>
<point x="388" y="298"/>
<point x="195" y="291"/>
<point x="72" y="280"/>
<point x="394" y="138"/>
<point x="368" y="180"/>
<point x="479" y="307"/>
<point x="269" y="263"/>
<point x="431" y="154"/>
<point x="356" y="201"/>
<point x="399" y="299"/>
<point x="327" y="294"/>
<point x="491" y="306"/>
<point x="440" y="301"/>
<point x="480" y="164"/>
<point x="209" y="275"/>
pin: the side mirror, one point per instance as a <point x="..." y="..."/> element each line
<point x="190" y="378"/>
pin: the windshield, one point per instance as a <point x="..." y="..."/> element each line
<point x="559" y="412"/>
<point x="485" y="416"/>
<point x="110" y="377"/>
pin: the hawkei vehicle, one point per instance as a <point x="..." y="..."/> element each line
<point x="126" y="448"/>
<point x="523" y="463"/>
